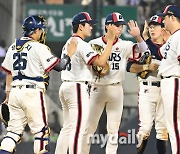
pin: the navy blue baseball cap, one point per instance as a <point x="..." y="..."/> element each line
<point x="157" y="20"/>
<point x="171" y="10"/>
<point x="115" y="18"/>
<point x="83" y="17"/>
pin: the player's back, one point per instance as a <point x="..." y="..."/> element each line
<point x="170" y="51"/>
<point x="27" y="61"/>
<point x="79" y="69"/>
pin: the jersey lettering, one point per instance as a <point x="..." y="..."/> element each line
<point x="166" y="49"/>
<point x="68" y="67"/>
<point x="28" y="47"/>
<point x="13" y="47"/>
<point x="20" y="62"/>
<point x="89" y="54"/>
<point x="115" y="57"/>
<point x="165" y="55"/>
<point x="115" y="66"/>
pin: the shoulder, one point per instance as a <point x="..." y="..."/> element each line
<point x="126" y="42"/>
<point x="11" y="48"/>
<point x="39" y="46"/>
<point x="96" y="40"/>
<point x="176" y="35"/>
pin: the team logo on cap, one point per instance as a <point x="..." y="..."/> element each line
<point x="117" y="17"/>
<point x="156" y="18"/>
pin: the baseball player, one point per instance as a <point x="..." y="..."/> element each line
<point x="169" y="71"/>
<point x="26" y="61"/>
<point x="150" y="104"/>
<point x="107" y="91"/>
<point x="73" y="93"/>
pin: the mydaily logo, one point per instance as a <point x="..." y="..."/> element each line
<point x="121" y="138"/>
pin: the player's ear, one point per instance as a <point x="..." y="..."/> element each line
<point x="80" y="27"/>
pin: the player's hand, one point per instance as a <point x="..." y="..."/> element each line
<point x="133" y="28"/>
<point x="145" y="31"/>
<point x="71" y="47"/>
<point x="111" y="33"/>
<point x="153" y="67"/>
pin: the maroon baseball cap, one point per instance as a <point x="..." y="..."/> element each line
<point x="83" y="17"/>
<point x="171" y="10"/>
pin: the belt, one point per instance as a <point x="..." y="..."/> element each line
<point x="86" y="82"/>
<point x="26" y="86"/>
<point x="115" y="83"/>
<point x="163" y="77"/>
<point x="152" y="83"/>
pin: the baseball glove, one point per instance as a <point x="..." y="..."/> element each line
<point x="4" y="113"/>
<point x="145" y="59"/>
<point x="99" y="71"/>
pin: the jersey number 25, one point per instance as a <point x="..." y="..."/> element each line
<point x="20" y="62"/>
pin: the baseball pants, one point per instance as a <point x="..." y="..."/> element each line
<point x="170" y="91"/>
<point x="26" y="105"/>
<point x="74" y="98"/>
<point x="111" y="97"/>
<point x="150" y="110"/>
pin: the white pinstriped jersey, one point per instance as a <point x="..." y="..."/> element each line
<point x="121" y="51"/>
<point x="170" y="65"/>
<point x="35" y="59"/>
<point x="79" y="68"/>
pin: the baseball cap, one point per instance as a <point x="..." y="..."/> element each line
<point x="115" y="18"/>
<point x="157" y="20"/>
<point x="83" y="17"/>
<point x="171" y="10"/>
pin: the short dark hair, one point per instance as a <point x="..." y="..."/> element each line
<point x="75" y="27"/>
<point x="155" y="23"/>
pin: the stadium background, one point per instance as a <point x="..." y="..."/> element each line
<point x="59" y="14"/>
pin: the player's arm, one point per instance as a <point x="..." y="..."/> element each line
<point x="133" y="67"/>
<point x="71" y="48"/>
<point x="8" y="86"/>
<point x="135" y="32"/>
<point x="102" y="59"/>
<point x="145" y="31"/>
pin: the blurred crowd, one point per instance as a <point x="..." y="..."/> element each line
<point x="146" y="8"/>
<point x="2" y="82"/>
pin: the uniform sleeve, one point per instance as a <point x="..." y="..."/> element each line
<point x="155" y="50"/>
<point x="88" y="54"/>
<point x="47" y="59"/>
<point x="7" y="63"/>
<point x="129" y="63"/>
<point x="131" y="50"/>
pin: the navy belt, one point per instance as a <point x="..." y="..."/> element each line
<point x="27" y="86"/>
<point x="152" y="83"/>
<point x="20" y="77"/>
